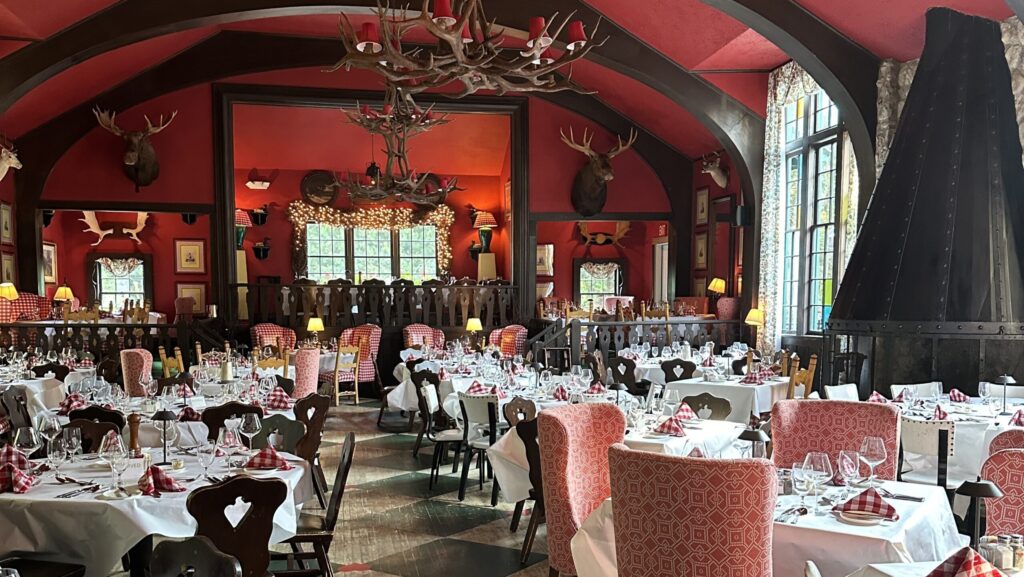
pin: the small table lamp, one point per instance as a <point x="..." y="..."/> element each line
<point x="755" y="318"/>
<point x="242" y="222"/>
<point x="1005" y="381"/>
<point x="717" y="286"/>
<point x="314" y="326"/>
<point x="7" y="291"/>
<point x="978" y="490"/>
<point x="64" y="294"/>
<point x="474" y="326"/>
<point x="483" y="222"/>
<point x="165" y="416"/>
<point x="758" y="440"/>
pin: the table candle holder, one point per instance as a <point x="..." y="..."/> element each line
<point x="166" y="418"/>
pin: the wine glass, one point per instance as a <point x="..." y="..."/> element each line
<point x="250" y="426"/>
<point x="207" y="454"/>
<point x="848" y="469"/>
<point x="26" y="440"/>
<point x="587" y="376"/>
<point x="57" y="454"/>
<point x="227" y="441"/>
<point x="111" y="448"/>
<point x="49" y="426"/>
<point x="872" y="452"/>
<point x="51" y="356"/>
<point x="819" y="467"/>
<point x="803" y="482"/>
<point x="576" y="371"/>
<point x="72" y="441"/>
<point x="118" y="464"/>
<point x="985" y="393"/>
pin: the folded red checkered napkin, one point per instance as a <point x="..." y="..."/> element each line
<point x="696" y="452"/>
<point x="965" y="563"/>
<point x="155" y="480"/>
<point x="443" y="374"/>
<point x="684" y="412"/>
<point x="877" y="397"/>
<point x="560" y="394"/>
<point x="671" y="426"/>
<point x="278" y="400"/>
<point x="185" y="391"/>
<point x="1017" y="420"/>
<point x="72" y="402"/>
<point x="189" y="414"/>
<point x="940" y="415"/>
<point x="84" y="364"/>
<point x="766" y="372"/>
<point x="268" y="459"/>
<point x="900" y="397"/>
<point x="596" y="389"/>
<point x="5" y="425"/>
<point x="11" y="456"/>
<point x="708" y="362"/>
<point x="14" y="479"/>
<point x="752" y="378"/>
<point x="957" y="397"/>
<point x="870" y="502"/>
<point x="477" y="388"/>
<point x="496" y="390"/>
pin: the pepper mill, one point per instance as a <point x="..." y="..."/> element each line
<point x="134" y="420"/>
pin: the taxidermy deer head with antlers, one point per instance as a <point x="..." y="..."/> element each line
<point x="140" y="163"/>
<point x="590" y="188"/>
<point x="8" y="160"/>
<point x="712" y="164"/>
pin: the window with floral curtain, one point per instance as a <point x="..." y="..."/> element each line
<point x="597" y="279"/>
<point x="116" y="279"/>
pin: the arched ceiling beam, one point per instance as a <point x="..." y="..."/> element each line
<point x="846" y="70"/>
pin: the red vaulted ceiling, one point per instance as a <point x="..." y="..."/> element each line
<point x="721" y="50"/>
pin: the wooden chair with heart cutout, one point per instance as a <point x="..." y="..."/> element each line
<point x="677" y="369"/>
<point x="311" y="411"/>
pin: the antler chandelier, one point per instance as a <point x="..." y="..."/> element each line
<point x="469" y="50"/>
<point x="398" y="120"/>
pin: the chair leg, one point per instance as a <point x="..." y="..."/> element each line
<point x="465" y="473"/>
<point x="517" y="515"/>
<point x="455" y="461"/>
<point x="419" y="440"/>
<point x="494" y="493"/>
<point x="322" y="560"/>
<point x="531" y="532"/>
<point x="435" y="465"/>
<point x="297" y="548"/>
<point x="552" y="572"/>
<point x="481" y="465"/>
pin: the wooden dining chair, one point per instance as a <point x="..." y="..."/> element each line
<point x="92" y="432"/>
<point x="344" y="372"/>
<point x="249" y="539"/>
<point x="28" y="567"/>
<point x="478" y="412"/>
<point x="318" y="531"/>
<point x="177" y="363"/>
<point x="110" y="369"/>
<point x="60" y="372"/>
<point x="624" y="373"/>
<point x="193" y="556"/>
<point x="99" y="414"/>
<point x="443" y="439"/>
<point x="677" y="369"/>
<point x="311" y="411"/>
<point x="720" y="408"/>
<point x="214" y="417"/>
<point x="287" y="431"/>
<point x="286" y="384"/>
<point x="182" y="378"/>
<point x="276" y="362"/>
<point x="15" y="403"/>
<point x="595" y="362"/>
<point x="418" y="380"/>
<point x="519" y="411"/>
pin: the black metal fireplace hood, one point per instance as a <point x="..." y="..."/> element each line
<point x="940" y="248"/>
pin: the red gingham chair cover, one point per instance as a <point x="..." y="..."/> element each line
<point x="802" y="426"/>
<point x="307" y="369"/>
<point x="691" y="516"/>
<point x="134" y="364"/>
<point x="1012" y="439"/>
<point x="1005" y="515"/>
<point x="439" y="339"/>
<point x="421" y="334"/>
<point x="367" y="351"/>
<point x="264" y="334"/>
<point x="574" y="441"/>
<point x="511" y="340"/>
<point x="27" y="307"/>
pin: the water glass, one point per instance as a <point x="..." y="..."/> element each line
<point x="872" y="452"/>
<point x="207" y="454"/>
<point x="72" y="441"/>
<point x="803" y="482"/>
<point x="56" y="454"/>
<point x="818" y="466"/>
<point x="848" y="470"/>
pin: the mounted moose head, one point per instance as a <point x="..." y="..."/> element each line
<point x="590" y="188"/>
<point x="8" y="160"/>
<point x="140" y="164"/>
<point x="712" y="164"/>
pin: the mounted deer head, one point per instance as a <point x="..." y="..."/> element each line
<point x="8" y="160"/>
<point x="712" y="164"/>
<point x="590" y="188"/>
<point x="140" y="163"/>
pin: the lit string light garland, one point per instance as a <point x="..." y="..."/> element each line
<point x="301" y="213"/>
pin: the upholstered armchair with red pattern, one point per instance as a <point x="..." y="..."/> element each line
<point x="691" y="516"/>
<point x="805" y="425"/>
<point x="264" y="334"/>
<point x="27" y="307"/>
<point x="307" y="372"/>
<point x="1005" y="515"/>
<point x="367" y="337"/>
<point x="419" y="334"/>
<point x="574" y="441"/>
<point x="134" y="364"/>
<point x="511" y="340"/>
<point x="1011" y="439"/>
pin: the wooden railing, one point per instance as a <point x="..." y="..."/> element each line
<point x="448" y="306"/>
<point x="101" y="340"/>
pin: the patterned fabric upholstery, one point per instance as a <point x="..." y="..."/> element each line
<point x="1005" y="515"/>
<point x="421" y="334"/>
<point x="183" y="309"/>
<point x="265" y="334"/>
<point x="691" y="516"/>
<point x="511" y="340"/>
<point x="802" y="426"/>
<point x="369" y="336"/>
<point x="27" y="307"/>
<point x="1012" y="439"/>
<point x="574" y="441"/>
<point x="134" y="364"/>
<point x="307" y="368"/>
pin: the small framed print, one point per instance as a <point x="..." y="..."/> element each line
<point x="545" y="260"/>
<point x="6" y="224"/>
<point x="49" y="263"/>
<point x="700" y="286"/>
<point x="7" y="267"/>
<point x="545" y="289"/>
<point x="198" y="293"/>
<point x="190" y="256"/>
<point x="700" y="251"/>
<point x="701" y="213"/>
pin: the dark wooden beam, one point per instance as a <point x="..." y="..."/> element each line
<point x="118" y="206"/>
<point x="604" y="216"/>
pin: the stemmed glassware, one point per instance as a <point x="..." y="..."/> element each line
<point x="57" y="454"/>
<point x="803" y="482"/>
<point x="207" y="454"/>
<point x="872" y="452"/>
<point x="113" y="452"/>
<point x="250" y="426"/>
<point x="26" y="440"/>
<point x="587" y="376"/>
<point x="848" y="470"/>
<point x="50" y="429"/>
<point x="985" y="393"/>
<point x="227" y="440"/>
<point x="819" y="468"/>
<point x="72" y="441"/>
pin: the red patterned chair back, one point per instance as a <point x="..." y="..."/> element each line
<point x="184" y="308"/>
<point x="511" y="340"/>
<point x="307" y="372"/>
<point x="418" y="334"/>
<point x="719" y="514"/>
<point x="1005" y="515"/>
<point x="1012" y="439"/>
<point x="134" y="364"/>
<point x="805" y="425"/>
<point x="27" y="307"/>
<point x="574" y="441"/>
<point x="367" y="337"/>
<point x="264" y="334"/>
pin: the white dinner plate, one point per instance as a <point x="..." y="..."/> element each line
<point x="865" y="519"/>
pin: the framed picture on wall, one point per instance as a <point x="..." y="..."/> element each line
<point x="700" y="286"/>
<point x="6" y="224"/>
<point x="189" y="256"/>
<point x="701" y="212"/>
<point x="545" y="289"/>
<point x="196" y="290"/>
<point x="508" y="200"/>
<point x="7" y="267"/>
<point x="700" y="250"/>
<point x="49" y="262"/>
<point x="545" y="260"/>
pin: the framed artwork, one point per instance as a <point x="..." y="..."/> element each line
<point x="195" y="290"/>
<point x="189" y="256"/>
<point x="7" y="267"/>
<point x="49" y="263"/>
<point x="6" y="224"/>
<point x="545" y="259"/>
<point x="700" y="250"/>
<point x="545" y="289"/>
<point x="508" y="200"/>
<point x="701" y="214"/>
<point x="700" y="286"/>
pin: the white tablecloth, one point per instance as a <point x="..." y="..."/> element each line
<point x="745" y="399"/>
<point x="97" y="533"/>
<point x="906" y="570"/>
<point x="925" y="532"/>
<point x="40" y="394"/>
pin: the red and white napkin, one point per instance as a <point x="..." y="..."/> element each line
<point x="14" y="479"/>
<point x="185" y="391"/>
<point x="155" y="480"/>
<point x="708" y="362"/>
<point x="674" y="424"/>
<point x="596" y="389"/>
<point x="268" y="459"/>
<point x="900" y="397"/>
<point x="965" y="563"/>
<point x="940" y="414"/>
<point x="752" y="378"/>
<point x="697" y="453"/>
<point x="869" y="501"/>
<point x="189" y="414"/>
<point x="478" y="388"/>
<point x="278" y="400"/>
<point x="958" y="397"/>
<point x="11" y="456"/>
<point x="72" y="402"/>
<point x="1017" y="420"/>
<point x="877" y="397"/>
<point x="560" y="394"/>
<point x="766" y="371"/>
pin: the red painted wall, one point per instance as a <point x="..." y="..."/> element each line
<point x="717" y="261"/>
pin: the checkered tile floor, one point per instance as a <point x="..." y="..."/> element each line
<point x="391" y="524"/>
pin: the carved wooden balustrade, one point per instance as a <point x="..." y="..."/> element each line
<point x="101" y="340"/>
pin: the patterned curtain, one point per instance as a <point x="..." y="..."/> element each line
<point x="1013" y="41"/>
<point x="119" y="267"/>
<point x="600" y="271"/>
<point x="894" y="80"/>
